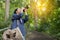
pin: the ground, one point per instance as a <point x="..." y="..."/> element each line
<point x="38" y="36"/>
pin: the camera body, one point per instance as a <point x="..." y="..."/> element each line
<point x="27" y="7"/>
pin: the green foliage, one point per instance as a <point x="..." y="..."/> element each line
<point x="49" y="24"/>
<point x="52" y="25"/>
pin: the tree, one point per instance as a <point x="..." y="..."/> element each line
<point x="7" y="3"/>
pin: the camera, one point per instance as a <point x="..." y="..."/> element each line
<point x="27" y="7"/>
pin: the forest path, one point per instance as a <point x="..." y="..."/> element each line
<point x="38" y="36"/>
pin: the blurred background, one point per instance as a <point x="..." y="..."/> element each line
<point x="44" y="15"/>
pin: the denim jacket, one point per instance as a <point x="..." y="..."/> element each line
<point x="21" y="20"/>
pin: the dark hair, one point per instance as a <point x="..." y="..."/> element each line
<point x="15" y="10"/>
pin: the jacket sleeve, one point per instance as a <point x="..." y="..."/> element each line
<point x="26" y="18"/>
<point x="20" y="15"/>
<point x="15" y="17"/>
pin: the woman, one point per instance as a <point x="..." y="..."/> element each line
<point x="18" y="16"/>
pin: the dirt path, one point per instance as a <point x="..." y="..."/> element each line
<point x="38" y="36"/>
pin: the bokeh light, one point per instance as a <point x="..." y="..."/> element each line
<point x="42" y="5"/>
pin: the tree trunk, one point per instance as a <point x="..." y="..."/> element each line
<point x="7" y="3"/>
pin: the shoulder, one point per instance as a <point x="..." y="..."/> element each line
<point x="14" y="14"/>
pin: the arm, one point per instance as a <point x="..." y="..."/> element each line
<point x="15" y="17"/>
<point x="25" y="19"/>
<point x="20" y="15"/>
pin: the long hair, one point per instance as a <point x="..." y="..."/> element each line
<point x="15" y="10"/>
